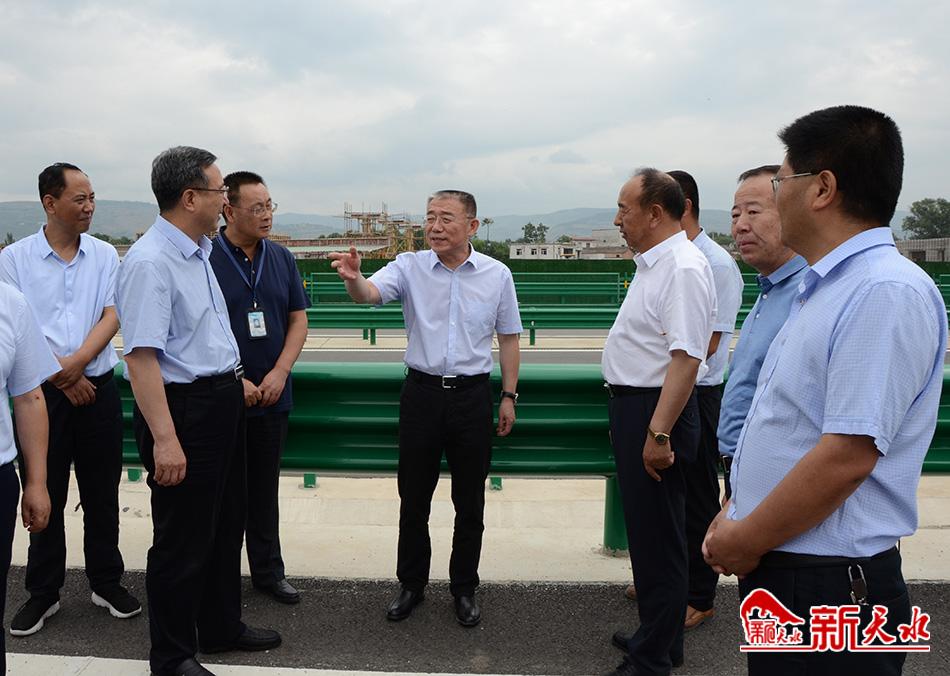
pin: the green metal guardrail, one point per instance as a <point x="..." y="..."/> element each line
<point x="346" y="422"/>
<point x="531" y="288"/>
<point x="369" y="318"/>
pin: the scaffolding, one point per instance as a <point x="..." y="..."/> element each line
<point x="399" y="230"/>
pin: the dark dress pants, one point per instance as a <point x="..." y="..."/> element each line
<point x="458" y="422"/>
<point x="9" y="496"/>
<point x="88" y="438"/>
<point x="266" y="437"/>
<point x="702" y="497"/>
<point x="655" y="515"/>
<point x="799" y="588"/>
<point x="193" y="574"/>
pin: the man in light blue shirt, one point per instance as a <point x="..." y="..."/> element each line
<point x="825" y="475"/>
<point x="184" y="367"/>
<point x="702" y="476"/>
<point x="68" y="279"/>
<point x="25" y="363"/>
<point x="454" y="300"/>
<point x="756" y="229"/>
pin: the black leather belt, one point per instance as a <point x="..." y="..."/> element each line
<point x="446" y="382"/>
<point x="101" y="379"/>
<point x="628" y="390"/>
<point x="778" y="559"/>
<point x="210" y="382"/>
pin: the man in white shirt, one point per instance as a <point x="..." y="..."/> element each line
<point x="653" y="356"/>
<point x="68" y="279"/>
<point x="454" y="300"/>
<point x="702" y="476"/>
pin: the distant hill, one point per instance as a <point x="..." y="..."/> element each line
<point x="125" y="219"/>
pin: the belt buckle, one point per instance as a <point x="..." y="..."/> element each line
<point x="239" y="372"/>
<point x="448" y="382"/>
<point x="610" y="391"/>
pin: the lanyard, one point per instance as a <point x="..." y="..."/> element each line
<point x="255" y="277"/>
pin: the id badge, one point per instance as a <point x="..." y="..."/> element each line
<point x="256" y="326"/>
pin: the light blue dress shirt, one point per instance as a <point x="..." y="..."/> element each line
<point x="729" y="285"/>
<point x="776" y="293"/>
<point x="25" y="359"/>
<point x="66" y="298"/>
<point x="861" y="354"/>
<point x="450" y="315"/>
<point x="169" y="299"/>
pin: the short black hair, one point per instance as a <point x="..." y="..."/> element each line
<point x="660" y="188"/>
<point x="52" y="180"/>
<point x="236" y="179"/>
<point x="861" y="147"/>
<point x="764" y="170"/>
<point x="466" y="198"/>
<point x="177" y="169"/>
<point x="689" y="187"/>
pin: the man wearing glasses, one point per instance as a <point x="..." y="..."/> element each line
<point x="268" y="310"/>
<point x="827" y="465"/>
<point x="454" y="300"/>
<point x="185" y="370"/>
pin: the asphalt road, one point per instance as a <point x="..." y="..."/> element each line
<point x="526" y="629"/>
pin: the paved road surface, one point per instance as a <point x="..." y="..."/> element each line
<point x="527" y="629"/>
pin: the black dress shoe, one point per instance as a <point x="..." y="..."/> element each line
<point x="281" y="590"/>
<point x="402" y="605"/>
<point x="467" y="611"/>
<point x="251" y="640"/>
<point x="189" y="667"/>
<point x="621" y="640"/>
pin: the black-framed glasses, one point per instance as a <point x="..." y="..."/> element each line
<point x="777" y="180"/>
<point x="259" y="209"/>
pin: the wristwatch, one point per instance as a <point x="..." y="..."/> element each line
<point x="661" y="438"/>
<point x="511" y="395"/>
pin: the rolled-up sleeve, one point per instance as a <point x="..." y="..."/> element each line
<point x="144" y="306"/>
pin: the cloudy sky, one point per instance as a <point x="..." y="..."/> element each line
<point x="533" y="106"/>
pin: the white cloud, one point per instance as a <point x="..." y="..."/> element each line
<point x="369" y="102"/>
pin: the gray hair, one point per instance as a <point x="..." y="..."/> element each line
<point x="177" y="169"/>
<point x="466" y="198"/>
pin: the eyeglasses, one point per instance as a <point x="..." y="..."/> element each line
<point x="223" y="190"/>
<point x="259" y="209"/>
<point x="777" y="180"/>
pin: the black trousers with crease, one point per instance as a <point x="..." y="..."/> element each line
<point x="193" y="574"/>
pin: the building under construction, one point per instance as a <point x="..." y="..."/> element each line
<point x="375" y="234"/>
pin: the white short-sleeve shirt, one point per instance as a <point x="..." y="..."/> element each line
<point x="670" y="305"/>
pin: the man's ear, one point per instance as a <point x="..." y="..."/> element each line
<point x="825" y="190"/>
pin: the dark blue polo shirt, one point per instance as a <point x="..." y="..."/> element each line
<point x="279" y="291"/>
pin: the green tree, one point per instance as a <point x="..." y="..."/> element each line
<point x="564" y="239"/>
<point x="721" y="239"/>
<point x="104" y="237"/>
<point x="541" y="233"/>
<point x="529" y="233"/>
<point x="497" y="250"/>
<point x="929" y="218"/>
<point x="487" y="223"/>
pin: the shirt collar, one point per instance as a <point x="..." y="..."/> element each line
<point x="702" y="236"/>
<point x="786" y="270"/>
<point x="182" y="242"/>
<point x="657" y="251"/>
<point x="44" y="249"/>
<point x="864" y="240"/>
<point x="472" y="258"/>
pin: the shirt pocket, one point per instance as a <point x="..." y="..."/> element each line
<point x="480" y="318"/>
